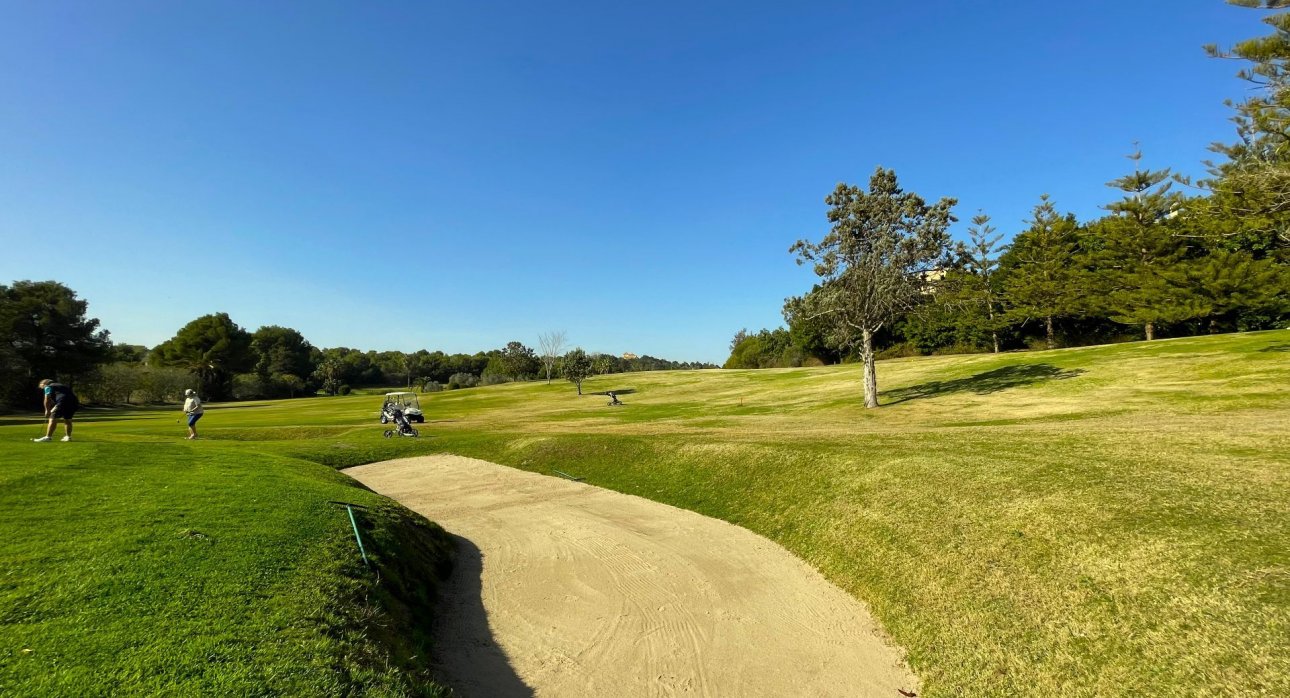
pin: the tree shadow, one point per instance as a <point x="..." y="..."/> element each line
<point x="466" y="656"/>
<point x="984" y="383"/>
<point x="1284" y="346"/>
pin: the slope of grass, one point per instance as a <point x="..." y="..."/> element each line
<point x="151" y="567"/>
<point x="1088" y="522"/>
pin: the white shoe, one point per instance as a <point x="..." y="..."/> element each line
<point x="42" y="439"/>
<point x="66" y="438"/>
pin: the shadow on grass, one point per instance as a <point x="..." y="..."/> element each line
<point x="467" y="657"/>
<point x="1284" y="346"/>
<point x="984" y="383"/>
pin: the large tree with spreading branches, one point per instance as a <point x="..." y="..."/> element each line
<point x="877" y="261"/>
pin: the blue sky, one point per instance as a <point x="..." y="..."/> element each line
<point x="458" y="175"/>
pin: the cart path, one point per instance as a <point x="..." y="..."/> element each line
<point x="564" y="589"/>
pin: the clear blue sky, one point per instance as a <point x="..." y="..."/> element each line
<point x="457" y="175"/>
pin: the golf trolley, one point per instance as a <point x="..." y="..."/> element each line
<point x="402" y="427"/>
<point x="613" y="396"/>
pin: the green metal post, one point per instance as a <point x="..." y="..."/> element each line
<point x="357" y="537"/>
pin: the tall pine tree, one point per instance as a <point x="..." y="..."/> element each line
<point x="981" y="258"/>
<point x="1041" y="278"/>
<point x="1252" y="185"/>
<point x="1140" y="261"/>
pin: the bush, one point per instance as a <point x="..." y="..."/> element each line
<point x="493" y="379"/>
<point x="162" y="384"/>
<point x="249" y="386"/>
<point x="462" y="380"/>
<point x="111" y="384"/>
<point x="343" y="389"/>
<point x="432" y="387"/>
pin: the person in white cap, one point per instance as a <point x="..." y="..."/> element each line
<point x="192" y="408"/>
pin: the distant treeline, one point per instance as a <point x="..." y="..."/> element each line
<point x="1162" y="262"/>
<point x="47" y="335"/>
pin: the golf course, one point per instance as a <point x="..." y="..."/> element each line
<point x="1095" y="521"/>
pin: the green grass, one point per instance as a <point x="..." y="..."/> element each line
<point x="1088" y="522"/>
<point x="142" y="564"/>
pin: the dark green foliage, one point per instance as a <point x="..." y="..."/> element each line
<point x="1235" y="286"/>
<point x="128" y="353"/>
<point x="213" y="348"/>
<point x="766" y="349"/>
<point x="979" y="289"/>
<point x="285" y="361"/>
<point x="576" y="367"/>
<point x="518" y="362"/>
<point x="1140" y="260"/>
<point x="1040" y="280"/>
<point x="1252" y="185"/>
<point x="44" y="333"/>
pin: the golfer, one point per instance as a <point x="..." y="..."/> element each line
<point x="60" y="403"/>
<point x="192" y="408"/>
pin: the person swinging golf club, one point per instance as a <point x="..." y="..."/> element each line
<point x="60" y="403"/>
<point x="192" y="408"/>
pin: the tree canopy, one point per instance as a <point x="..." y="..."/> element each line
<point x="213" y="348"/>
<point x="46" y="335"/>
<point x="876" y="262"/>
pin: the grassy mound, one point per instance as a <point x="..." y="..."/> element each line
<point x="150" y="567"/>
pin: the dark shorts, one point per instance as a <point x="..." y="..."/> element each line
<point x="192" y="419"/>
<point x="63" y="410"/>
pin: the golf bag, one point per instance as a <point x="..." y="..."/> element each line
<point x="402" y="427"/>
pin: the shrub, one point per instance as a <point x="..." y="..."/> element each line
<point x="249" y="386"/>
<point x="111" y="384"/>
<point x="432" y="387"/>
<point x="163" y="384"/>
<point x="493" y="379"/>
<point x="462" y="380"/>
<point x="343" y="389"/>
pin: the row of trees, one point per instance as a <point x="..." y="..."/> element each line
<point x="49" y="335"/>
<point x="1159" y="262"/>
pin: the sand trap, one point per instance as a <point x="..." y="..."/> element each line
<point x="564" y="589"/>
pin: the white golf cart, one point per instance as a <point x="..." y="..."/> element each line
<point x="404" y="402"/>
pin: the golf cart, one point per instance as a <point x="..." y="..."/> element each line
<point x="403" y="402"/>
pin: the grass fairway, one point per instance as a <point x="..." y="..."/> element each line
<point x="1100" y="521"/>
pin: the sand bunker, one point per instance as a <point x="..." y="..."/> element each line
<point x="564" y="589"/>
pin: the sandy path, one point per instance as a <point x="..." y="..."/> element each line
<point x="563" y="589"/>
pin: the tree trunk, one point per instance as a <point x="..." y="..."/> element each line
<point x="870" y="371"/>
<point x="995" y="337"/>
<point x="1048" y="325"/>
<point x="1151" y="331"/>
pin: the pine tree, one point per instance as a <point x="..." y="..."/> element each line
<point x="981" y="258"/>
<point x="874" y="264"/>
<point x="1042" y="280"/>
<point x="1231" y="282"/>
<point x="1253" y="184"/>
<point x="1141" y="263"/>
